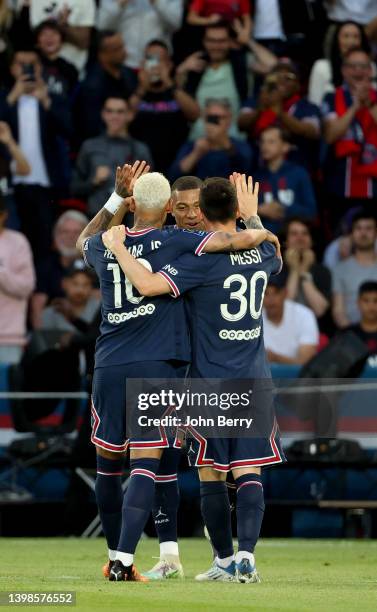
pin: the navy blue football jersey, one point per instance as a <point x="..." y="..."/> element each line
<point x="225" y="297"/>
<point x="136" y="328"/>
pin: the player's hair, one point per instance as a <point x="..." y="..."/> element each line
<point x="363" y="214"/>
<point x="152" y="191"/>
<point x="218" y="199"/>
<point x="71" y="215"/>
<point x="368" y="287"/>
<point x="185" y="183"/>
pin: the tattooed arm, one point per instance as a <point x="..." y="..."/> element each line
<point x="124" y="183"/>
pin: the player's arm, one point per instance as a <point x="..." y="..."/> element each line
<point x="147" y="283"/>
<point x="115" y="208"/>
<point x="221" y="242"/>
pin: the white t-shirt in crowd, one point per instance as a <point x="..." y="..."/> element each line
<point x="267" y="20"/>
<point x="361" y="11"/>
<point x="297" y="327"/>
<point x="29" y="139"/>
<point x="83" y="13"/>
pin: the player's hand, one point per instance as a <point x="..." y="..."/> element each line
<point x="114" y="238"/>
<point x="247" y="194"/>
<point x="275" y="241"/>
<point x="127" y="175"/>
<point x="101" y="175"/>
<point x="5" y="133"/>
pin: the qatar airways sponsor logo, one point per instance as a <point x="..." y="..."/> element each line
<point x="120" y="317"/>
<point x="240" y="334"/>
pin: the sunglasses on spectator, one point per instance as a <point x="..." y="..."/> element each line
<point x="215" y="119"/>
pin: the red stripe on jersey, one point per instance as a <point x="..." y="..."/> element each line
<point x="131" y="232"/>
<point x="172" y="284"/>
<point x="201" y="246"/>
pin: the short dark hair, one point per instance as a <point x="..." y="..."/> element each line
<point x="185" y="183"/>
<point x="363" y="214"/>
<point x="101" y="37"/>
<point x="218" y="199"/>
<point x="114" y="97"/>
<point x="284" y="134"/>
<point x="157" y="42"/>
<point x="353" y="50"/>
<point x="3" y="205"/>
<point x="48" y="24"/>
<point x="368" y="287"/>
<point x="74" y="270"/>
<point x="219" y="25"/>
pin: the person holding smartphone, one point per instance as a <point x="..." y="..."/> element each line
<point x="216" y="153"/>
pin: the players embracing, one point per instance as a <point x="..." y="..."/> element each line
<point x="133" y="341"/>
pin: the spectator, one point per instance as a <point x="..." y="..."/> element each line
<point x="59" y="75"/>
<point x="220" y="72"/>
<point x="353" y="271"/>
<point x="40" y="122"/>
<point x="216" y="154"/>
<point x="326" y="74"/>
<point x="268" y="26"/>
<point x="366" y="329"/>
<point x="280" y="103"/>
<point x="12" y="161"/>
<point x="108" y="77"/>
<point x="309" y="282"/>
<point x="350" y="128"/>
<point x="362" y="11"/>
<point x="17" y="280"/>
<point x="207" y="12"/>
<point x="290" y="329"/>
<point x="6" y="19"/>
<point x="139" y="22"/>
<point x="76" y="307"/>
<point x="76" y="18"/>
<point x="94" y="175"/>
<point x="285" y="188"/>
<point x="162" y="106"/>
<point x="52" y="269"/>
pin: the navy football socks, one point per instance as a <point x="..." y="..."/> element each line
<point x="217" y="518"/>
<point x="166" y="497"/>
<point x="250" y="510"/>
<point x="137" y="503"/>
<point x="109" y="497"/>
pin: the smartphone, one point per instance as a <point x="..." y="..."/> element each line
<point x="29" y="71"/>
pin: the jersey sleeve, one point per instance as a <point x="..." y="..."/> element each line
<point x="90" y="249"/>
<point x="188" y="241"/>
<point x="185" y="273"/>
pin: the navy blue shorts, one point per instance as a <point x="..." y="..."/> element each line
<point x="109" y="406"/>
<point x="225" y="454"/>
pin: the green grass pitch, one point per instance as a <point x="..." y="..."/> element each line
<point x="297" y="575"/>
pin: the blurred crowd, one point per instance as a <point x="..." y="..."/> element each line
<point x="284" y="90"/>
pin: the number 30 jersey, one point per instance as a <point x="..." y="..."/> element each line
<point x="225" y="298"/>
<point x="136" y="328"/>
